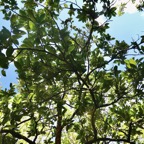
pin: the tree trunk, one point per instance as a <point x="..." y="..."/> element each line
<point x="59" y="126"/>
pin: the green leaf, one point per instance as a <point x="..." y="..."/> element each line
<point x="27" y="43"/>
<point x="3" y="72"/>
<point x="65" y="5"/>
<point x="67" y="75"/>
<point x="71" y="48"/>
<point x="132" y="62"/>
<point x="72" y="10"/>
<point x="3" y="61"/>
<point x="31" y="14"/>
<point x="10" y="126"/>
<point x="13" y="18"/>
<point x="32" y="25"/>
<point x="18" y="32"/>
<point x="51" y="50"/>
<point x="4" y="34"/>
<point x="9" y="51"/>
<point x="17" y="65"/>
<point x="41" y="18"/>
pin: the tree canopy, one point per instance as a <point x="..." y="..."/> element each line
<point x="76" y="83"/>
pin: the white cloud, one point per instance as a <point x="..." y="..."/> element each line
<point x="101" y="20"/>
<point x="129" y="7"/>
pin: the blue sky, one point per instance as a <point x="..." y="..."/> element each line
<point x="126" y="27"/>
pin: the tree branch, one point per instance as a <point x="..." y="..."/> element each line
<point x="108" y="104"/>
<point x="93" y="123"/>
<point x="109" y="139"/>
<point x="38" y="50"/>
<point x="17" y="135"/>
<point x="129" y="132"/>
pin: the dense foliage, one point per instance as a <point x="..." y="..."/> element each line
<point x="76" y="83"/>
